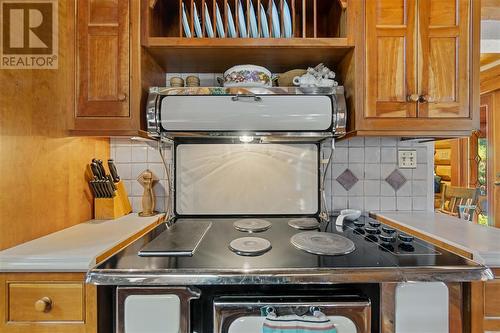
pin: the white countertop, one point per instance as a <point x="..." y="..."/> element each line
<point x="482" y="241"/>
<point x="74" y="249"/>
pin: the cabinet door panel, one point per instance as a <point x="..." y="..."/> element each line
<point x="443" y="60"/>
<point x="103" y="58"/>
<point x="390" y="58"/>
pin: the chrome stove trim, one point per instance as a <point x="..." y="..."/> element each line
<point x="178" y="277"/>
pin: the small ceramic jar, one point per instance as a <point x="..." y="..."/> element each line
<point x="192" y="81"/>
<point x="177" y="81"/>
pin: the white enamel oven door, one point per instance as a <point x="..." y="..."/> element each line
<point x="248" y="316"/>
<point x="154" y="310"/>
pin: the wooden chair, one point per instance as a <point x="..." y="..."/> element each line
<point x="453" y="196"/>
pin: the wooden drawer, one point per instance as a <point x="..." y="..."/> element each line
<point x="492" y="298"/>
<point x="62" y="301"/>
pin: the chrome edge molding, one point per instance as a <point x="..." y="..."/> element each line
<point x="324" y="276"/>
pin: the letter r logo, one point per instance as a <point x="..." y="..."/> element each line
<point x="27" y="27"/>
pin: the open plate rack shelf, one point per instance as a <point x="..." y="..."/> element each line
<point x="319" y="34"/>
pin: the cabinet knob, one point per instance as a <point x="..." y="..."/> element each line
<point x="423" y="98"/>
<point x="44" y="304"/>
<point x="122" y="97"/>
<point x="412" y="98"/>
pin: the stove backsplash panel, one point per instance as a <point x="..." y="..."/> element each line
<point x="247" y="179"/>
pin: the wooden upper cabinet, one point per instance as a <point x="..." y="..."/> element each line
<point x="419" y="65"/>
<point x="443" y="58"/>
<point x="103" y="53"/>
<point x="390" y="58"/>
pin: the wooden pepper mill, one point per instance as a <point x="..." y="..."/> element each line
<point x="148" y="179"/>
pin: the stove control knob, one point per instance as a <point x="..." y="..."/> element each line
<point x="405" y="238"/>
<point x="359" y="224"/>
<point x="388" y="230"/>
<point x="386" y="239"/>
<point x="371" y="230"/>
<point x="374" y="224"/>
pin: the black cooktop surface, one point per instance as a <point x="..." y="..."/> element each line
<point x="376" y="245"/>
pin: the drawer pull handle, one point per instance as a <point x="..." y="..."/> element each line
<point x="44" y="304"/>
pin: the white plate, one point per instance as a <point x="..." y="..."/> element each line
<point x="254" y="29"/>
<point x="185" y="23"/>
<point x="287" y="18"/>
<point x="231" y="29"/>
<point x="241" y="21"/>
<point x="219" y="24"/>
<point x="263" y="22"/>
<point x="275" y="21"/>
<point x="197" y="25"/>
<point x="208" y="23"/>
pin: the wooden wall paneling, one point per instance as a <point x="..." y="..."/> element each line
<point x="44" y="189"/>
<point x="390" y="58"/>
<point x="490" y="79"/>
<point x="103" y="59"/>
<point x="443" y="58"/>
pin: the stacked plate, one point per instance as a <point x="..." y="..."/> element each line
<point x="272" y="16"/>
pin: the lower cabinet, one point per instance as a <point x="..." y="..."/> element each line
<point x="47" y="302"/>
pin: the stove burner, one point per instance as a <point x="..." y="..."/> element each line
<point x="250" y="246"/>
<point x="322" y="243"/>
<point x="304" y="223"/>
<point x="252" y="225"/>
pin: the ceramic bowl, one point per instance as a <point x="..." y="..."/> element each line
<point x="247" y="76"/>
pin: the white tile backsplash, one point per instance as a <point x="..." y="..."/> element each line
<point x="356" y="155"/>
<point x="376" y="162"/>
<point x="403" y="203"/>
<point x="372" y="155"/>
<point x="133" y="157"/>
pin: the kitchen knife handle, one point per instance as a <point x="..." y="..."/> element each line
<point x="95" y="170"/>
<point x="101" y="169"/>
<point x="113" y="171"/>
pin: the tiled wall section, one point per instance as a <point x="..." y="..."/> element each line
<point x="133" y="157"/>
<point x="371" y="161"/>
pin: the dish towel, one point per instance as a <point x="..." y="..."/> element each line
<point x="318" y="323"/>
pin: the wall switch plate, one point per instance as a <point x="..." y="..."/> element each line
<point x="407" y="159"/>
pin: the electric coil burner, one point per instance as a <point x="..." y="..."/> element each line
<point x="322" y="243"/>
<point x="252" y="225"/>
<point x="250" y="246"/>
<point x="304" y="223"/>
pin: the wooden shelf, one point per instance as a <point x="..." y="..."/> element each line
<point x="218" y="54"/>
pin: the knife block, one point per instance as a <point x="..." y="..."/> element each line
<point x="113" y="208"/>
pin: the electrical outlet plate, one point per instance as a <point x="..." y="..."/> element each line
<point x="407" y="159"/>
